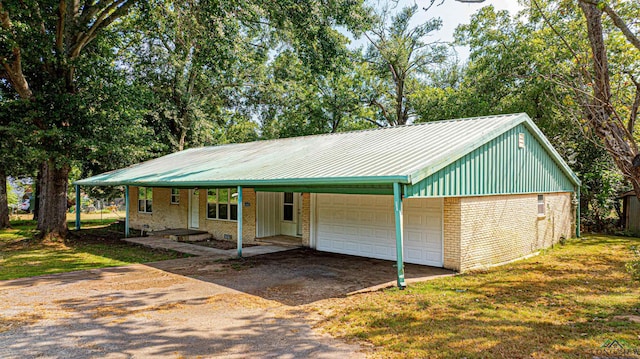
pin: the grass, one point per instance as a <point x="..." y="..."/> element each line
<point x="565" y="303"/>
<point x="96" y="246"/>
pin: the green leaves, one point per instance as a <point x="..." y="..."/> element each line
<point x="400" y="55"/>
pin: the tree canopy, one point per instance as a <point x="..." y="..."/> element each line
<point x="91" y="86"/>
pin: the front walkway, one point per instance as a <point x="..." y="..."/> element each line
<point x="195" y="250"/>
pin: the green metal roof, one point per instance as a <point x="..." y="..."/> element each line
<point x="404" y="154"/>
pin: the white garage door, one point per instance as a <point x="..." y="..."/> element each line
<point x="364" y="225"/>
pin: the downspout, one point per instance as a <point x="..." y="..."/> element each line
<point x="240" y="204"/>
<point x="78" y="208"/>
<point x="126" y="208"/>
<point x="397" y="206"/>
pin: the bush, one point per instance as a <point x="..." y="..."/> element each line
<point x="633" y="266"/>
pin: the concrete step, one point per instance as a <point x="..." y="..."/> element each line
<point x="190" y="237"/>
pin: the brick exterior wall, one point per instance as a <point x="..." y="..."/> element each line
<point x="306" y="219"/>
<point x="451" y="233"/>
<point x="166" y="215"/>
<point x="496" y="229"/>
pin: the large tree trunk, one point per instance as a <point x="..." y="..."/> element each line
<point x="52" y="211"/>
<point x="35" y="195"/>
<point x="618" y="141"/>
<point x="4" y="201"/>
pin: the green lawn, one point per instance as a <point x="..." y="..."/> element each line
<point x="565" y="303"/>
<point x="96" y="246"/>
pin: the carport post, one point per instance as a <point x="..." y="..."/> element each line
<point x="126" y="208"/>
<point x="397" y="206"/>
<point x="77" y="207"/>
<point x="578" y="212"/>
<point x="240" y="204"/>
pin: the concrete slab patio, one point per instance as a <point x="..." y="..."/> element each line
<point x="194" y="307"/>
<point x="196" y="250"/>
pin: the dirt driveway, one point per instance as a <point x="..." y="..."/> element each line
<point x="191" y="307"/>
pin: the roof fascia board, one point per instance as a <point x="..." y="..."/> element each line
<point x="331" y="181"/>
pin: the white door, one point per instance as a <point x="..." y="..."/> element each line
<point x="194" y="208"/>
<point x="364" y="225"/>
<point x="268" y="213"/>
<point x="290" y="218"/>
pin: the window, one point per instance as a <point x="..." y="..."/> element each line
<point x="541" y="208"/>
<point x="175" y="196"/>
<point x="145" y="199"/>
<point x="287" y="210"/>
<point x="222" y="203"/>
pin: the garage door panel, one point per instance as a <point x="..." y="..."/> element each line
<point x="365" y="225"/>
<point x="413" y="220"/>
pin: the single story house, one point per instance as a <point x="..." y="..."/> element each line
<point x="459" y="194"/>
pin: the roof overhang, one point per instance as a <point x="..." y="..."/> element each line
<point x="282" y="182"/>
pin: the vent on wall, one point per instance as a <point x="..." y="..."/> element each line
<point x="227" y="237"/>
<point x="521" y="140"/>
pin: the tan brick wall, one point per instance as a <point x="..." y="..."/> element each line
<point x="451" y="235"/>
<point x="306" y="219"/>
<point x="496" y="229"/>
<point x="166" y="215"/>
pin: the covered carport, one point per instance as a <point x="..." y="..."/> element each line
<point x="405" y="193"/>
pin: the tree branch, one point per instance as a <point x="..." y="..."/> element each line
<point x="114" y="11"/>
<point x="617" y="21"/>
<point x="13" y="67"/>
<point x="634" y="107"/>
<point x="62" y="12"/>
<point x="564" y="41"/>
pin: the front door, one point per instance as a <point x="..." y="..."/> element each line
<point x="290" y="224"/>
<point x="194" y="208"/>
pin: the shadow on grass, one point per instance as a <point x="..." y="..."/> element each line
<point x="564" y="303"/>
<point x="86" y="249"/>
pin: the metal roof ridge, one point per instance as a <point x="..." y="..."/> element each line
<point x="515" y="115"/>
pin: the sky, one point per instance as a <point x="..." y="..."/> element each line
<point x="452" y="13"/>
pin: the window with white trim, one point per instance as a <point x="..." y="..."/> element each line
<point x="145" y="199"/>
<point x="541" y="205"/>
<point x="287" y="207"/>
<point x="222" y="203"/>
<point x="175" y="196"/>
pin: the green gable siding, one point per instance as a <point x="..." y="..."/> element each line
<point x="497" y="167"/>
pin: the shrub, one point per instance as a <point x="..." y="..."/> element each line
<point x="633" y="266"/>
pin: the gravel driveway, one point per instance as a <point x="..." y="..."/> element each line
<point x="192" y="307"/>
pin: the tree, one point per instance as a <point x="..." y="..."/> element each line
<point x="515" y="65"/>
<point x="64" y="59"/>
<point x="295" y="100"/>
<point x="207" y="63"/>
<point x="45" y="51"/>
<point x="611" y="116"/>
<point x="399" y="54"/>
<point x="16" y="154"/>
<point x="194" y="57"/>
